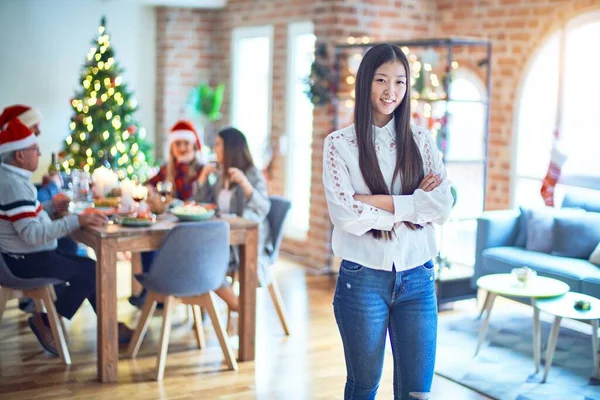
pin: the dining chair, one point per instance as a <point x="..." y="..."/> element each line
<point x="280" y="207"/>
<point x="41" y="290"/>
<point x="191" y="263"/>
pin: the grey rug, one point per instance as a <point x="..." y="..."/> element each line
<point x="504" y="367"/>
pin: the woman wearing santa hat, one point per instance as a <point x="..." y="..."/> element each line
<point x="184" y="166"/>
<point x="181" y="171"/>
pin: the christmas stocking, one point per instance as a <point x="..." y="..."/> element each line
<point x="557" y="159"/>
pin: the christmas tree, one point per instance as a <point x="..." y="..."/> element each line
<point x="102" y="129"/>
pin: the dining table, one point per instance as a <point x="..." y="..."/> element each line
<point x="107" y="241"/>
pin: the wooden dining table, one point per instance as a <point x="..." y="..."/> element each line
<point x="107" y="241"/>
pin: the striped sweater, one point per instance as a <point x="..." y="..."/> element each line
<point x="25" y="227"/>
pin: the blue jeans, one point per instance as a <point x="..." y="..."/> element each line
<point x="367" y="304"/>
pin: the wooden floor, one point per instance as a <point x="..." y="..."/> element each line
<point x="307" y="365"/>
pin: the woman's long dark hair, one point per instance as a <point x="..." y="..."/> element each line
<point x="236" y="153"/>
<point x="409" y="163"/>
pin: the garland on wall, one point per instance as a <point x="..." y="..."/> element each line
<point x="320" y="90"/>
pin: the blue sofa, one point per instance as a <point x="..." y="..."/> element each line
<point x="496" y="251"/>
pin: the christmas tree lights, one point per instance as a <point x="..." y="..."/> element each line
<point x="102" y="129"/>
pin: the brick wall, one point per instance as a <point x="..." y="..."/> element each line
<point x="516" y="28"/>
<point x="185" y="51"/>
<point x="248" y="13"/>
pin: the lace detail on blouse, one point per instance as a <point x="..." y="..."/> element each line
<point x="350" y="139"/>
<point x="426" y="151"/>
<point x="343" y="192"/>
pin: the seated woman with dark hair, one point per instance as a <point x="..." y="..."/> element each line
<point x="238" y="188"/>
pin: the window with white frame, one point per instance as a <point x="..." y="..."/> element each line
<point x="465" y="164"/>
<point x="537" y="113"/>
<point x="299" y="127"/>
<point x="252" y="55"/>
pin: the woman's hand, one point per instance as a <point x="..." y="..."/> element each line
<point x="237" y="176"/>
<point x="430" y="182"/>
<point x="207" y="169"/>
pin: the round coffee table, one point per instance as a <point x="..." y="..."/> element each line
<point x="507" y="285"/>
<point x="562" y="307"/>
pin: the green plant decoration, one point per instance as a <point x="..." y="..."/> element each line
<point x="207" y="101"/>
<point x="319" y="88"/>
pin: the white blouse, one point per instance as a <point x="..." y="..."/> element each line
<point x="224" y="200"/>
<point x="353" y="219"/>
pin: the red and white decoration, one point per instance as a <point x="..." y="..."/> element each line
<point x="557" y="160"/>
<point x="28" y="116"/>
<point x="16" y="136"/>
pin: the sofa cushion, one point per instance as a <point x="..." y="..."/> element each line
<point x="540" y="226"/>
<point x="569" y="270"/>
<point x="522" y="234"/>
<point x="526" y="214"/>
<point x="539" y="230"/>
<point x="576" y="235"/>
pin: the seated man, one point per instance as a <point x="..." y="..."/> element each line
<point x="31" y="117"/>
<point x="28" y="237"/>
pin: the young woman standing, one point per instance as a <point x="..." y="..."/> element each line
<point x="385" y="185"/>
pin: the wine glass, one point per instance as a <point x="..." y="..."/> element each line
<point x="164" y="189"/>
<point x="139" y="194"/>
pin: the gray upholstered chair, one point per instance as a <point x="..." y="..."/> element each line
<point x="276" y="217"/>
<point x="189" y="266"/>
<point x="277" y="214"/>
<point x="41" y="290"/>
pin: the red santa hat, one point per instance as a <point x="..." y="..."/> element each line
<point x="184" y="130"/>
<point x="28" y="116"/>
<point x="16" y="136"/>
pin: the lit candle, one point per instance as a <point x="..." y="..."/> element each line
<point x="99" y="179"/>
<point x="127" y="188"/>
<point x="104" y="180"/>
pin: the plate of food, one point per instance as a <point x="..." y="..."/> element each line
<point x="138" y="221"/>
<point x="194" y="212"/>
<point x="208" y="206"/>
